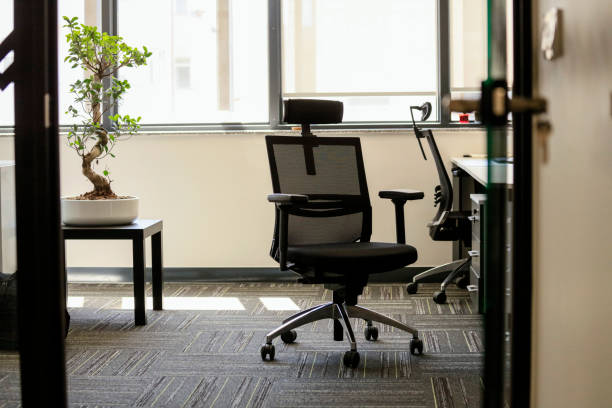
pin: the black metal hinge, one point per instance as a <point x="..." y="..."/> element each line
<point x="8" y="75"/>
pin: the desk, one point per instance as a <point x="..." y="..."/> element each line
<point x="137" y="232"/>
<point x="469" y="185"/>
<point x="477" y="169"/>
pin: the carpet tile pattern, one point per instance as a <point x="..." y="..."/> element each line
<point x="210" y="357"/>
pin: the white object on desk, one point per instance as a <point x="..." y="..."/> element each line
<point x="477" y="168"/>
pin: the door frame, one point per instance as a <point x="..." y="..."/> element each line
<point x="496" y="361"/>
<point x="41" y="283"/>
<point x="522" y="256"/>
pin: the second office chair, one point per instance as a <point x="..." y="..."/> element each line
<point x="447" y="225"/>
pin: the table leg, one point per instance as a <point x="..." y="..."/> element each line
<point x="158" y="277"/>
<point x="66" y="314"/>
<point x="138" y="253"/>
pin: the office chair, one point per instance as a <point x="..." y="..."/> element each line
<point x="323" y="226"/>
<point x="447" y="225"/>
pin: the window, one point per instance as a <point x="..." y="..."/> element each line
<point x="182" y="71"/>
<point x="377" y="57"/>
<point x="231" y="63"/>
<point x="209" y="62"/>
<point x="468" y="49"/>
<point x="67" y="75"/>
<point x="87" y="14"/>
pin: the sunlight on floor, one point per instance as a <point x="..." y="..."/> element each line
<point x="198" y="303"/>
<point x="75" y="301"/>
<point x="279" y="303"/>
<point x="189" y="303"/>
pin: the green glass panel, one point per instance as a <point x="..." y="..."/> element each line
<point x="498" y="227"/>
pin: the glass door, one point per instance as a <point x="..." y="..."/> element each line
<point x="498" y="213"/>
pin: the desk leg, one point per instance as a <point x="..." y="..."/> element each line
<point x="138" y="253"/>
<point x="158" y="277"/>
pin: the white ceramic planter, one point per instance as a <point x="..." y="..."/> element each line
<point x="120" y="211"/>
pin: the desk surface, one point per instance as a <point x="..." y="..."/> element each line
<point x="477" y="168"/>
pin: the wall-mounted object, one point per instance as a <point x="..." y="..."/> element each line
<point x="552" y="45"/>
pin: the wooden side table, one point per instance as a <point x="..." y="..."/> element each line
<point x="137" y="232"/>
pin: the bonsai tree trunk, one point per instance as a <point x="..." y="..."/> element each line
<point x="102" y="188"/>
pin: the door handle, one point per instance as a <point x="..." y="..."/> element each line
<point x="495" y="104"/>
<point x="517" y="104"/>
<point x="474" y="254"/>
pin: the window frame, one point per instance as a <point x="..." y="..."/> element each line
<point x="109" y="10"/>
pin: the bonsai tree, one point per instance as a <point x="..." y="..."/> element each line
<point x="101" y="55"/>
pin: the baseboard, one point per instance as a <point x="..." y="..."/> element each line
<point x="124" y="275"/>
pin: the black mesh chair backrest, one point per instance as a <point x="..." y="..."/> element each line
<point x="441" y="228"/>
<point x="339" y="206"/>
<point x="329" y="170"/>
<point x="445" y="190"/>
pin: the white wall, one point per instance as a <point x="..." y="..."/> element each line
<point x="210" y="190"/>
<point x="572" y="332"/>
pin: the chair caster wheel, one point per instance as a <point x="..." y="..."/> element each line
<point x="439" y="297"/>
<point x="267" y="350"/>
<point x="351" y="359"/>
<point x="463" y="282"/>
<point x="371" y="333"/>
<point x="412" y="288"/>
<point x="289" y="336"/>
<point x="416" y="344"/>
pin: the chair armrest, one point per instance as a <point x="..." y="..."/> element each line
<point x="403" y="194"/>
<point x="287" y="198"/>
<point x="399" y="198"/>
<point x="284" y="203"/>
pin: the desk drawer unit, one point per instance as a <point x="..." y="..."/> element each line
<point x="477" y="219"/>
<point x="477" y="275"/>
<point x="476" y="255"/>
<point x="475" y="287"/>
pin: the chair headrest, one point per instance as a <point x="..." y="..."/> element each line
<point x="313" y="111"/>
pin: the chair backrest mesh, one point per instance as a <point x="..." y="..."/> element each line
<point x="339" y="206"/>
<point x="335" y="169"/>
<point x="446" y="188"/>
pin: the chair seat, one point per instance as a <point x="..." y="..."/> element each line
<point x="370" y="257"/>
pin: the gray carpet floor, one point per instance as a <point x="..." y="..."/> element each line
<point x="210" y="358"/>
